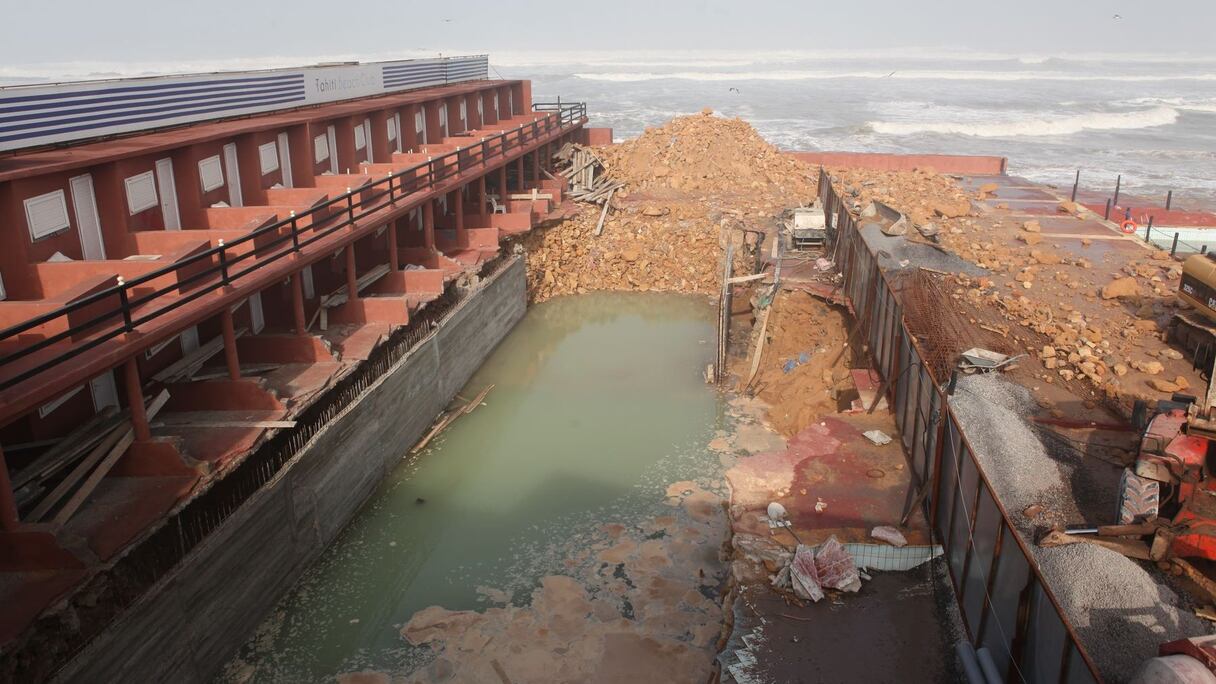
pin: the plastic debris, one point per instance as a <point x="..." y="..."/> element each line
<point x="878" y="437"/>
<point x="822" y="264"/>
<point x="791" y="364"/>
<point x="776" y="511"/>
<point x="889" y="534"/>
<point x="821" y="506"/>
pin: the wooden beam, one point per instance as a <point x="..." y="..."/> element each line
<point x="102" y="457"/>
<point x="189" y="364"/>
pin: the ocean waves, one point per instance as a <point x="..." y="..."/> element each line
<point x="1032" y="127"/>
<point x="913" y="74"/>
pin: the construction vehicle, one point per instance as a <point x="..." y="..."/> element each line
<point x="1172" y="484"/>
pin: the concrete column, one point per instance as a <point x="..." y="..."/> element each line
<point x="519" y="172"/>
<point x="352" y="287"/>
<point x="394" y="259"/>
<point x="297" y="303"/>
<point x="481" y="196"/>
<point x="135" y="398"/>
<point x="502" y="184"/>
<point x="230" y="357"/>
<point x="536" y="165"/>
<point x="8" y="503"/>
<point x="428" y="224"/>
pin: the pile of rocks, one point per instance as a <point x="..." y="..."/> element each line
<point x="923" y="195"/>
<point x="692" y="187"/>
<point x="706" y="153"/>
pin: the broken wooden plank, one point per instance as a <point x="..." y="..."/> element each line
<point x="747" y="278"/>
<point x="472" y="405"/>
<point x="340" y="296"/>
<point x="186" y="366"/>
<point x="69" y="448"/>
<point x="599" y="227"/>
<point x="203" y="423"/>
<point x="246" y="369"/>
<point x="1128" y="547"/>
<point x="99" y="456"/>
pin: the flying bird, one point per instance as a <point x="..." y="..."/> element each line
<point x="734" y="90"/>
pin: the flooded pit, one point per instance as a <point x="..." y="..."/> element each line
<point x="568" y="529"/>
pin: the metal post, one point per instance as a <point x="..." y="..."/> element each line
<point x="1169" y="199"/>
<point x="1148" y="230"/>
<point x="1174" y="246"/>
<point x="1118" y="184"/>
<point x="1075" y="184"/>
<point x="125" y="305"/>
<point x="8" y="503"/>
<point x="230" y="357"/>
<point x="135" y="401"/>
<point x="223" y="263"/>
<point x="1106" y="215"/>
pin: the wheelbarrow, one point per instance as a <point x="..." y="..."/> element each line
<point x="983" y="360"/>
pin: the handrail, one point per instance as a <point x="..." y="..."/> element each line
<point x="333" y="215"/>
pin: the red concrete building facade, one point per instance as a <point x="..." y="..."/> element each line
<point x="222" y="274"/>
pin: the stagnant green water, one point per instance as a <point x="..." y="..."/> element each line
<point x="599" y="404"/>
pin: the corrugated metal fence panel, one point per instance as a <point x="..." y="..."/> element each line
<point x="57" y="113"/>
<point x="1003" y="602"/>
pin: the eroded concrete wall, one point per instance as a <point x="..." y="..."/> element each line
<point x="189" y="625"/>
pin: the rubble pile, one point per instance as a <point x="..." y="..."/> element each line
<point x="708" y="183"/>
<point x="705" y="153"/>
<point x="923" y="195"/>
<point x="662" y="247"/>
<point x="1080" y="315"/>
<point x="801" y="372"/>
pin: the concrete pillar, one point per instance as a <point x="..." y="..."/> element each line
<point x="230" y="357"/>
<point x="519" y="172"/>
<point x="352" y="287"/>
<point x="8" y="503"/>
<point x="297" y="303"/>
<point x="428" y="224"/>
<point x="536" y="165"/>
<point x="502" y="184"/>
<point x="481" y="196"/>
<point x="394" y="259"/>
<point x="135" y="399"/>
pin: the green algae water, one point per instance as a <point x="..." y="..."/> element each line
<point x="599" y="405"/>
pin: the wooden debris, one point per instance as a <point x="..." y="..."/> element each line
<point x="446" y="419"/>
<point x="93" y="468"/>
<point x="340" y="296"/>
<point x="185" y="367"/>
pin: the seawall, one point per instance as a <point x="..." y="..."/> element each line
<point x="190" y="623"/>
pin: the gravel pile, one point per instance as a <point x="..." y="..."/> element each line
<point x="1121" y="613"/>
<point x="993" y="414"/>
<point x="1122" y="609"/>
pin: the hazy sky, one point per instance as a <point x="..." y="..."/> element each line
<point x="140" y="30"/>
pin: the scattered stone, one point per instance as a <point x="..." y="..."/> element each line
<point x="1121" y="287"/>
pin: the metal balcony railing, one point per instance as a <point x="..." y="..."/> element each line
<point x="218" y="267"/>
